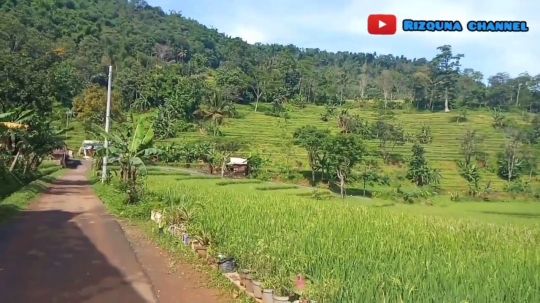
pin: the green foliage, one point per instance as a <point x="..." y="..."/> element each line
<point x="342" y="153"/>
<point x="419" y="172"/>
<point x="91" y="105"/>
<point x="15" y="196"/>
<point x="129" y="148"/>
<point x="471" y="174"/>
<point x="371" y="174"/>
<point x="313" y="140"/>
<point x="425" y="136"/>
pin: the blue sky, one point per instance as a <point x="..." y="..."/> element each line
<point x="341" y="25"/>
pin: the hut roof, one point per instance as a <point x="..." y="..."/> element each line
<point x="13" y="125"/>
<point x="237" y="161"/>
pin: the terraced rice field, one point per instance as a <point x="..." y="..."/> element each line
<point x="267" y="135"/>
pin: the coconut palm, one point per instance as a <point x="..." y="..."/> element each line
<point x="215" y="110"/>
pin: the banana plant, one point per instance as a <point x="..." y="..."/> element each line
<point x="13" y="132"/>
<point x="129" y="148"/>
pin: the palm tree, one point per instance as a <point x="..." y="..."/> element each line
<point x="182" y="53"/>
<point x="162" y="52"/>
<point x="215" y="110"/>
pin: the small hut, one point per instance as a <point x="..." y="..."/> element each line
<point x="61" y="155"/>
<point x="238" y="165"/>
<point x="89" y="147"/>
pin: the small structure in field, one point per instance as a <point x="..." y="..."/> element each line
<point x="89" y="148"/>
<point x="238" y="166"/>
<point x="62" y="155"/>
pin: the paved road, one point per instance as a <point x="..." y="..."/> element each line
<point x="67" y="249"/>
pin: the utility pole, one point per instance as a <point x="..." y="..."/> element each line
<point x="107" y="124"/>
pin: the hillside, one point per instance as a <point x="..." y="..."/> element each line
<point x="134" y="37"/>
<point x="406" y="171"/>
<point x="197" y="83"/>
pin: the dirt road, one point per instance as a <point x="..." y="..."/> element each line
<point x="67" y="249"/>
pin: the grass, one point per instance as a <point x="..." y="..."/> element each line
<point x="399" y="255"/>
<point x="235" y="182"/>
<point x="12" y="184"/>
<point x="11" y="205"/>
<point x="276" y="187"/>
<point x="139" y="215"/>
<point x="442" y="252"/>
<point x="515" y="212"/>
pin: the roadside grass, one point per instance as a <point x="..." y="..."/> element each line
<point x="139" y="215"/>
<point x="17" y="201"/>
<point x="12" y="184"/>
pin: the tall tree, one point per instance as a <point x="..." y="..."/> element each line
<point x="447" y="69"/>
<point x="312" y="139"/>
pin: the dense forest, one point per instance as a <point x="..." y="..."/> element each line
<point x="55" y="55"/>
<point x="68" y="44"/>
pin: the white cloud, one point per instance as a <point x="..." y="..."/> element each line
<point x="315" y="23"/>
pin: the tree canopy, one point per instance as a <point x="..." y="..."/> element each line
<point x="65" y="44"/>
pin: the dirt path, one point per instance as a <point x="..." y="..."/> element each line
<point x="67" y="249"/>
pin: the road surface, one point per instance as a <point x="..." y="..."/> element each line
<point x="66" y="248"/>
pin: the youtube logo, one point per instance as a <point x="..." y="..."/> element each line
<point x="380" y="24"/>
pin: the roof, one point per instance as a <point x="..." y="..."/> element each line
<point x="12" y="125"/>
<point x="237" y="161"/>
<point x="91" y="142"/>
<point x="58" y="152"/>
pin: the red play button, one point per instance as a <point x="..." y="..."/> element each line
<point x="381" y="24"/>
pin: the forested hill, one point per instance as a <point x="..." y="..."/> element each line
<point x="138" y="39"/>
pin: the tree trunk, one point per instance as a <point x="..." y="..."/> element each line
<point x="446" y="109"/>
<point x="224" y="162"/>
<point x="341" y="177"/>
<point x="15" y="161"/>
<point x="364" y="189"/>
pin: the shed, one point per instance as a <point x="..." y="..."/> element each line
<point x="89" y="147"/>
<point x="237" y="165"/>
<point x="62" y="155"/>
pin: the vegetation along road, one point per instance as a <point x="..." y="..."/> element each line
<point x="444" y="158"/>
